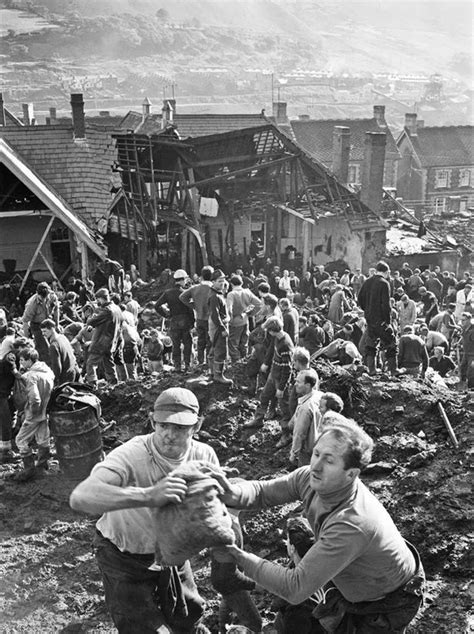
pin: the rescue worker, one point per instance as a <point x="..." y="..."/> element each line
<point x="42" y="305"/>
<point x="374" y="299"/>
<point x="181" y="321"/>
<point x="218" y="328"/>
<point x="62" y="359"/>
<point x="131" y="484"/>
<point x="106" y="323"/>
<point x="360" y="571"/>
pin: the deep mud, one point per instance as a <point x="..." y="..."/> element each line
<point x="49" y="579"/>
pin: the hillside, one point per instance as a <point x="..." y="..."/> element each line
<point x="338" y="35"/>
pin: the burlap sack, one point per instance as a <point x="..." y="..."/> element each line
<point x="200" y="521"/>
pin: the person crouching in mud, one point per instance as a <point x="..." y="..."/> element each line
<point x="364" y="576"/>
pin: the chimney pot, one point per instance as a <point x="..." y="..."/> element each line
<point x="379" y="116"/>
<point x="78" y="117"/>
<point x="146" y="107"/>
<point x="167" y="113"/>
<point x="341" y="150"/>
<point x="411" y="123"/>
<point x="373" y="170"/>
<point x="28" y="113"/>
<point x="279" y="112"/>
<point x="48" y="120"/>
<point x="52" y="114"/>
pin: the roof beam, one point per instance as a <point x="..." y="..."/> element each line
<point x="224" y="177"/>
<point x="237" y="159"/>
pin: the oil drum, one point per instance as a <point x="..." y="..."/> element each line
<point x="78" y="440"/>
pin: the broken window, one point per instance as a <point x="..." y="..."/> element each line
<point x="440" y="205"/>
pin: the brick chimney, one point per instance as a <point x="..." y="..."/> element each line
<point x="341" y="150"/>
<point x="379" y="116"/>
<point x="411" y="123"/>
<point x="28" y="114"/>
<point x="3" y="121"/>
<point x="372" y="170"/>
<point x="52" y="115"/>
<point x="146" y="107"/>
<point x="78" y="117"/>
<point x="167" y="113"/>
<point x="279" y="112"/>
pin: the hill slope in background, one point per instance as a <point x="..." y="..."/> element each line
<point x="371" y="35"/>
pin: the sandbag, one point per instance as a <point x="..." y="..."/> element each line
<point x="200" y="521"/>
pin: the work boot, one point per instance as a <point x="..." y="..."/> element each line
<point x="43" y="455"/>
<point x="219" y="374"/>
<point x="29" y="470"/>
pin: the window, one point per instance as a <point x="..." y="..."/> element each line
<point x="440" y="205"/>
<point x="464" y="178"/>
<point x="441" y="178"/>
<point x="354" y="174"/>
<point x="463" y="203"/>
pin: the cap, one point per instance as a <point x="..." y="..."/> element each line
<point x="217" y="275"/>
<point x="177" y="405"/>
<point x="180" y="274"/>
<point x="102" y="292"/>
<point x="43" y="286"/>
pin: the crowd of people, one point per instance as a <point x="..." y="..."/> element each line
<point x="276" y="324"/>
<point x="414" y="322"/>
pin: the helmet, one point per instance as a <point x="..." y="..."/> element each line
<point x="180" y="274"/>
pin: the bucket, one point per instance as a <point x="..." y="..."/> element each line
<point x="78" y="441"/>
<point x="74" y="414"/>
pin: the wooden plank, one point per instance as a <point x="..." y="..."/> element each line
<point x="51" y="270"/>
<point x="245" y="170"/>
<point x="36" y="253"/>
<point x="237" y="159"/>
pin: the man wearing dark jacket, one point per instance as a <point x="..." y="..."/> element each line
<point x="62" y="359"/>
<point x="412" y="353"/>
<point x="107" y="324"/>
<point x="181" y="320"/>
<point x="278" y="359"/>
<point x="374" y="299"/>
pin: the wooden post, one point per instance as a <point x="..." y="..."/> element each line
<point x="37" y="251"/>
<point x="305" y="247"/>
<point x="194" y="201"/>
<point x="278" y="235"/>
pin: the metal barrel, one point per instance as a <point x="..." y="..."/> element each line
<point x="78" y="440"/>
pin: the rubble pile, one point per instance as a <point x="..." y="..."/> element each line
<point x="417" y="472"/>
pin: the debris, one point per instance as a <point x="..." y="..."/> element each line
<point x="445" y="418"/>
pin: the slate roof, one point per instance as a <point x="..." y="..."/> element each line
<point x="444" y="145"/>
<point x="80" y="170"/>
<point x="193" y="125"/>
<point x="316" y="136"/>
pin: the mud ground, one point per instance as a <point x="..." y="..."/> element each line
<point x="49" y="581"/>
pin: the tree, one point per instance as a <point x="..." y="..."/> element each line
<point x="162" y="14"/>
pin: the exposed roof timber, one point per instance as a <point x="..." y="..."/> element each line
<point x="299" y="215"/>
<point x="205" y="140"/>
<point x="237" y="159"/>
<point x="53" y="202"/>
<point x="333" y="185"/>
<point x="245" y="170"/>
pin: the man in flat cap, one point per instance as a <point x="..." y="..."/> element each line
<point x="132" y="481"/>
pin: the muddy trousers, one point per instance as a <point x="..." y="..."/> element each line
<point x="238" y="341"/>
<point x="203" y="341"/>
<point x="144" y="601"/>
<point x="30" y="430"/>
<point x="105" y="359"/>
<point x="181" y="335"/>
<point x="267" y="397"/>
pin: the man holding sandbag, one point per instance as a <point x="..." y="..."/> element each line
<point x="133" y="481"/>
